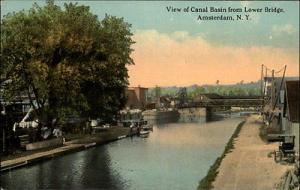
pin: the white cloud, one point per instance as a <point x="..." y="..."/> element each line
<point x="245" y="3"/>
<point x="180" y="35"/>
<point x="182" y="59"/>
<point x="283" y="29"/>
<point x="255" y="17"/>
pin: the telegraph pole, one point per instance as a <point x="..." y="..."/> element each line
<point x="261" y="80"/>
<point x="273" y="89"/>
<point x="262" y="86"/>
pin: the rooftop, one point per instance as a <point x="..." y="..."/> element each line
<point x="132" y="88"/>
<point x="269" y="79"/>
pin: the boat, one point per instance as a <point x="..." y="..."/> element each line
<point x="147" y="127"/>
<point x="144" y="130"/>
<point x="135" y="121"/>
<point x="144" y="133"/>
<point x="122" y="137"/>
<point x="131" y="118"/>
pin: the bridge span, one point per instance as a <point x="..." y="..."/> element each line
<point x="210" y="104"/>
<point x="225" y="103"/>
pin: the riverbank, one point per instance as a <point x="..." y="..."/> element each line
<point x="206" y="182"/>
<point x="172" y="157"/>
<point x="82" y="142"/>
<point x="248" y="165"/>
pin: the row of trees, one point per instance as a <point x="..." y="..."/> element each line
<point x="239" y="89"/>
<point x="225" y="90"/>
<point x="66" y="61"/>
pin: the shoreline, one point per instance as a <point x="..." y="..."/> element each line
<point x="206" y="182"/>
<point x="67" y="148"/>
<point x="250" y="165"/>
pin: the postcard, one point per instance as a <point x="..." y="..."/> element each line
<point x="149" y="95"/>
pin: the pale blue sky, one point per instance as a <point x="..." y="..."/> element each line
<point x="201" y="50"/>
<point x="265" y="29"/>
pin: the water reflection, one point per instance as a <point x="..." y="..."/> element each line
<point x="192" y="135"/>
<point x="82" y="170"/>
<point x="175" y="156"/>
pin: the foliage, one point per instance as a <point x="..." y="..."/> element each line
<point x="182" y="95"/>
<point x="194" y="91"/>
<point x="67" y="60"/>
<point x="157" y="91"/>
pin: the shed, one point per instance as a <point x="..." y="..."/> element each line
<point x="291" y="110"/>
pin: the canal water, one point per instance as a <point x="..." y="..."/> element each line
<point x="175" y="156"/>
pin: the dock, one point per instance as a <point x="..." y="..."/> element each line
<point x="68" y="147"/>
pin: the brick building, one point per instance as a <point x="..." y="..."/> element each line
<point x="136" y="98"/>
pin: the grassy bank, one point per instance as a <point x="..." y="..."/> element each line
<point x="206" y="182"/>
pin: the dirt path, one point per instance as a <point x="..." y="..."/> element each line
<point x="248" y="166"/>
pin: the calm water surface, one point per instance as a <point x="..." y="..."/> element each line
<point x="175" y="156"/>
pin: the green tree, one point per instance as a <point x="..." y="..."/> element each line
<point x="198" y="91"/>
<point x="182" y="95"/>
<point x="67" y="60"/>
<point x="240" y="92"/>
<point x="231" y="92"/>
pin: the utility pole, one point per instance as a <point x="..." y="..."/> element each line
<point x="265" y="83"/>
<point x="157" y="96"/>
<point x="278" y="93"/>
<point x="262" y="86"/>
<point x="273" y="89"/>
<point x="261" y="81"/>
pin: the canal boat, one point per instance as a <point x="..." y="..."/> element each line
<point x="147" y="127"/>
<point x="131" y="118"/>
<point x="144" y="133"/>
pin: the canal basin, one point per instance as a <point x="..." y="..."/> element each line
<point x="175" y="156"/>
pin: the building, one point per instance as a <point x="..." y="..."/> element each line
<point x="291" y="111"/>
<point x="274" y="92"/>
<point x="273" y="86"/>
<point x="10" y="112"/>
<point x="136" y="98"/>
